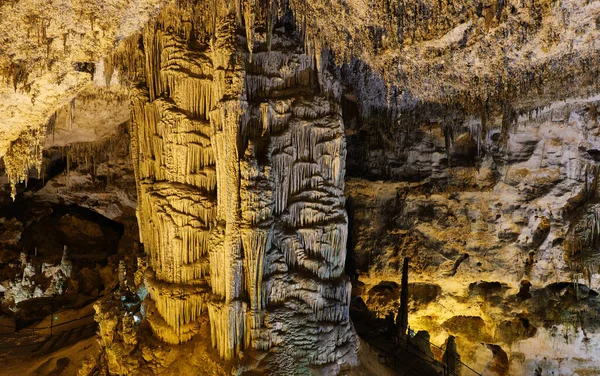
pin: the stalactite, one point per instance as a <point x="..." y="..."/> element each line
<point x="102" y="150"/>
<point x="25" y="153"/>
<point x="476" y="132"/>
<point x="250" y="9"/>
<point x="109" y="69"/>
<point x="71" y="113"/>
<point x="271" y="19"/>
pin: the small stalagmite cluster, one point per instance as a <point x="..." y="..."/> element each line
<point x="240" y="160"/>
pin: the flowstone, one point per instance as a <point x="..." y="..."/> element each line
<point x="240" y="163"/>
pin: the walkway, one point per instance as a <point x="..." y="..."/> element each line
<point x="36" y="341"/>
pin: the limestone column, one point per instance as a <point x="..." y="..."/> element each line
<point x="228" y="307"/>
<point x="176" y="176"/>
<point x="240" y="163"/>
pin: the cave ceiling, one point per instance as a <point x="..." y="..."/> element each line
<point x="482" y="56"/>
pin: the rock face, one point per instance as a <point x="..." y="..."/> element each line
<point x="240" y="168"/>
<point x="507" y="232"/>
<point x="48" y="52"/>
<point x="60" y="257"/>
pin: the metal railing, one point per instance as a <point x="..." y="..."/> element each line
<point x="36" y="337"/>
<point x="410" y="347"/>
<point x="462" y="364"/>
<point x="396" y="360"/>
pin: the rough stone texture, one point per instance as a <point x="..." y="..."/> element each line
<point x="240" y="165"/>
<point x="48" y="51"/>
<point x="467" y="54"/>
<point x="521" y="212"/>
<point x="479" y="55"/>
<point x="460" y="151"/>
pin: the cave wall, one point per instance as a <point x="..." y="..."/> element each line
<point x="499" y="224"/>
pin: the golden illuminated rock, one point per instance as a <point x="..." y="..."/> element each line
<point x="242" y="196"/>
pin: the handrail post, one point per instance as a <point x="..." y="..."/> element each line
<point x="32" y="340"/>
<point x="402" y="317"/>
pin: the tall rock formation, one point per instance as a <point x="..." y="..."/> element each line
<point x="240" y="161"/>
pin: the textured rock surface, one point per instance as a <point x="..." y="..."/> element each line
<point x="447" y="117"/>
<point x="481" y="226"/>
<point x="240" y="165"/>
<point x="48" y="52"/>
<point x="480" y="55"/>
